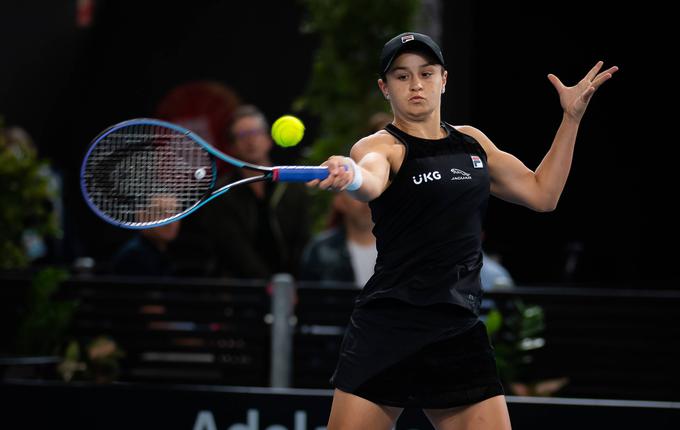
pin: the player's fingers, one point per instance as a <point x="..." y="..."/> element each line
<point x="325" y="184"/>
<point x="338" y="174"/>
<point x="334" y="170"/>
<point x="604" y="76"/>
<point x="339" y="184"/>
<point x="593" y="72"/>
<point x="340" y="179"/>
<point x="555" y="81"/>
<point x="343" y="180"/>
<point x="587" y="94"/>
<point x="330" y="179"/>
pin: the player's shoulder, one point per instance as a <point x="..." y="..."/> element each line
<point x="476" y="134"/>
<point x="380" y="137"/>
<point x="380" y="141"/>
<point x="469" y="130"/>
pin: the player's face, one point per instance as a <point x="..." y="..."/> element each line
<point x="415" y="85"/>
<point x="251" y="140"/>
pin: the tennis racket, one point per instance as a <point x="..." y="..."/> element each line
<point x="145" y="173"/>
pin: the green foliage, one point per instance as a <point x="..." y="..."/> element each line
<point x="515" y="333"/>
<point x="494" y="322"/>
<point x="46" y="321"/>
<point x="342" y="92"/>
<point x="25" y="193"/>
<point x="100" y="364"/>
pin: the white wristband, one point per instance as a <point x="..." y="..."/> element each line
<point x="358" y="179"/>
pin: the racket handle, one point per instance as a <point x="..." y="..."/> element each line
<point x="299" y="173"/>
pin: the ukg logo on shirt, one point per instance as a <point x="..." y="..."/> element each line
<point x="427" y="177"/>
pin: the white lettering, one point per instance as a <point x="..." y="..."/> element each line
<point x="300" y="420"/>
<point x="427" y="177"/>
<point x="460" y="175"/>
<point x="205" y="421"/>
<point x="253" y="420"/>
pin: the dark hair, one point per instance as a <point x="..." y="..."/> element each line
<point x="212" y="100"/>
<point x="409" y="42"/>
<point x="430" y="58"/>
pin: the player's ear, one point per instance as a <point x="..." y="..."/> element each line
<point x="383" y="88"/>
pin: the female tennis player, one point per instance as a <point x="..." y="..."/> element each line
<point x="414" y="337"/>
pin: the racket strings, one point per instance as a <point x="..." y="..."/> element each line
<point x="143" y="174"/>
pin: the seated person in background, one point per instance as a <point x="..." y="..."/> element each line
<point x="252" y="231"/>
<point x="345" y="252"/>
<point x="146" y="253"/>
<point x="494" y="275"/>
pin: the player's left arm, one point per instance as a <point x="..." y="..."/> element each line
<point x="512" y="181"/>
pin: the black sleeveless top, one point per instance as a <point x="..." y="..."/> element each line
<point x="428" y="223"/>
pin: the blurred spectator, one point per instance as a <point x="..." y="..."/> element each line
<point x="346" y="251"/>
<point x="494" y="275"/>
<point x="252" y="231"/>
<point x="146" y="254"/>
<point x="378" y="121"/>
<point x="204" y="107"/>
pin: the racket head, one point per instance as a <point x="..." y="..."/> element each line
<point x="145" y="173"/>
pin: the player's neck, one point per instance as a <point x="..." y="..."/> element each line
<point x="429" y="128"/>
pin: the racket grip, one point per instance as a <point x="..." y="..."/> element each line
<point x="299" y="173"/>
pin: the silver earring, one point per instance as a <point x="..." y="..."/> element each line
<point x="387" y="96"/>
<point x="443" y="90"/>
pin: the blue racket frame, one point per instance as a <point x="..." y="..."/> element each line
<point x="276" y="173"/>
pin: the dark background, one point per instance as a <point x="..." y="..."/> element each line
<point x="64" y="84"/>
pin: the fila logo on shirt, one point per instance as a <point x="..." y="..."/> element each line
<point x="477" y="162"/>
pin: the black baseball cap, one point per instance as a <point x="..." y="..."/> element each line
<point x="410" y="41"/>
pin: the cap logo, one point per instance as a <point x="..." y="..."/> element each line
<point x="407" y="38"/>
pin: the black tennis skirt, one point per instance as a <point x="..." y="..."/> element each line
<point x="433" y="357"/>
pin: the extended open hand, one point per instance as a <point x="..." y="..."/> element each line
<point x="575" y="99"/>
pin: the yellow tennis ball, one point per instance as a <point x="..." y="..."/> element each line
<point x="288" y="131"/>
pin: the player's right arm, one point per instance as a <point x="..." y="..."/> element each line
<point x="370" y="156"/>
